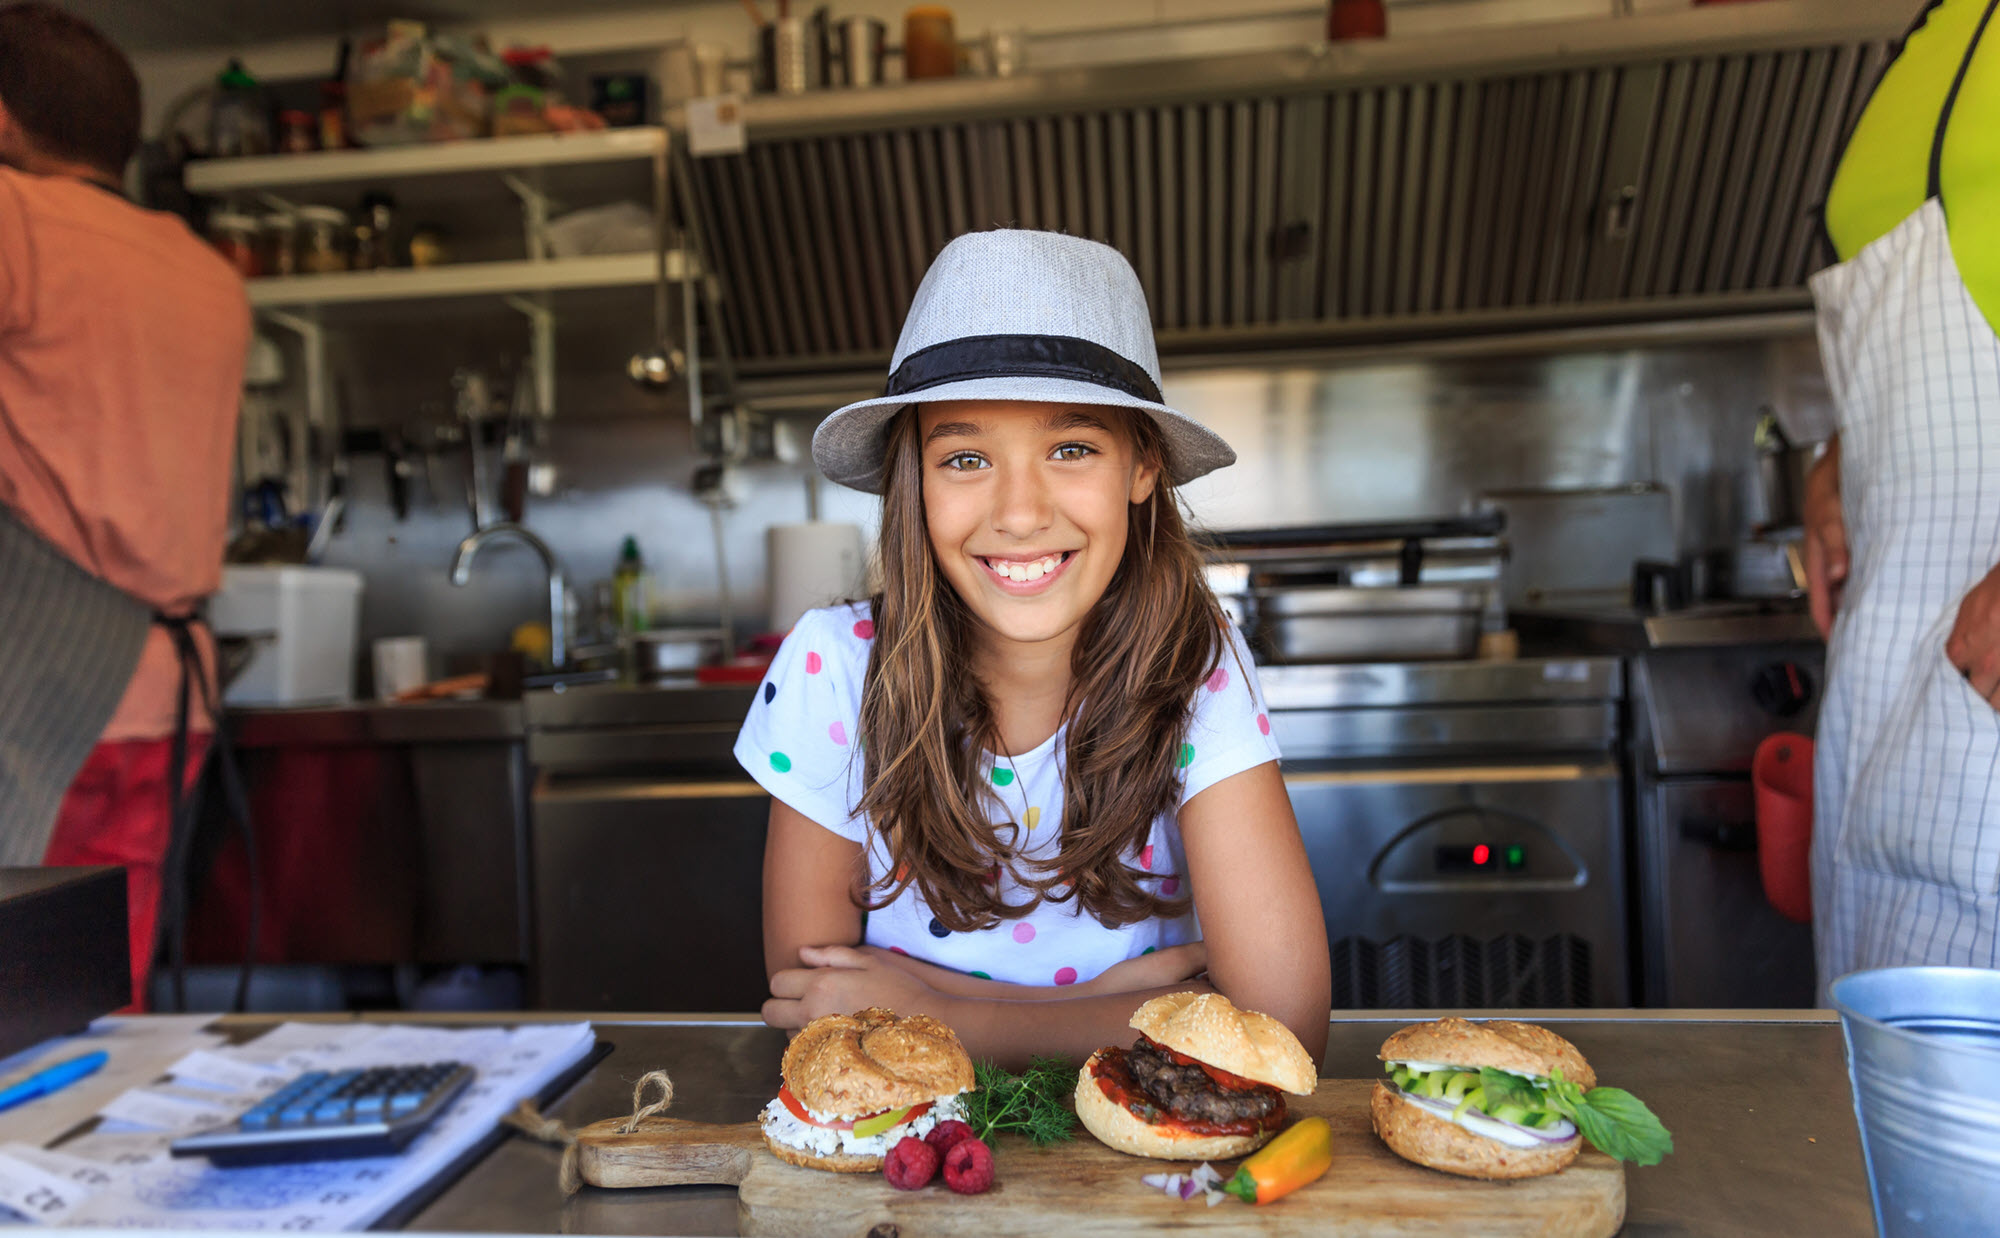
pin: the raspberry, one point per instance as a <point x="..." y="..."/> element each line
<point x="911" y="1164"/>
<point x="968" y="1167"/>
<point x="947" y="1134"/>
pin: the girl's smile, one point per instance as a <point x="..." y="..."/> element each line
<point x="1028" y="508"/>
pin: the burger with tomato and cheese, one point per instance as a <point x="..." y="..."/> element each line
<point x="1204" y="1081"/>
<point x="855" y="1084"/>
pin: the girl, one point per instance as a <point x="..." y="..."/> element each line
<point x="1005" y="787"/>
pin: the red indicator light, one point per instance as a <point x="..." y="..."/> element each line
<point x="1480" y="854"/>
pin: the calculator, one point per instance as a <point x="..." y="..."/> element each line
<point x="328" y="1114"/>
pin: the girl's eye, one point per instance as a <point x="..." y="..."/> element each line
<point x="1074" y="451"/>
<point x="964" y="462"/>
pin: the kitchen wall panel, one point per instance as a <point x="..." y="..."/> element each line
<point x="1316" y="443"/>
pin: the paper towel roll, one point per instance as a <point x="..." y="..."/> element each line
<point x="811" y="565"/>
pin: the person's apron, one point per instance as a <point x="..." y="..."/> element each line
<point x="1906" y="842"/>
<point x="69" y="644"/>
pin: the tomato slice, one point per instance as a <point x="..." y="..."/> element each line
<point x="791" y="1102"/>
<point x="799" y="1112"/>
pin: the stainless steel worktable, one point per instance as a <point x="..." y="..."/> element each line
<point x="1758" y="1104"/>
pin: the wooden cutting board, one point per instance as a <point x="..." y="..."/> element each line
<point x="1083" y="1187"/>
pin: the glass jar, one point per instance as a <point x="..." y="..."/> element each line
<point x="281" y="244"/>
<point x="324" y="238"/>
<point x="298" y="132"/>
<point x="930" y="48"/>
<point x="234" y="236"/>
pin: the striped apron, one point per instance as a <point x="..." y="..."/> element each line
<point x="1906" y="842"/>
<point x="69" y="643"/>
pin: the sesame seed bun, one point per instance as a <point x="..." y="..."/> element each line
<point x="1208" y="1028"/>
<point x="853" y="1065"/>
<point x="1500" y="1043"/>
<point x="1120" y="1130"/>
<point x="1437" y="1143"/>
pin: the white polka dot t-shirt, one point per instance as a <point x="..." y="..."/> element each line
<point x="799" y="742"/>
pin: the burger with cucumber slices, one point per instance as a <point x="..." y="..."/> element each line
<point x="1500" y="1099"/>
<point x="855" y="1084"/>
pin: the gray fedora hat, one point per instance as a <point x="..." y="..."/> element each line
<point x="1018" y="315"/>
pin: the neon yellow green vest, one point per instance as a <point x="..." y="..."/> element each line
<point x="1932" y="129"/>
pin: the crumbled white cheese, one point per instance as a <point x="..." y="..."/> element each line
<point x="782" y="1125"/>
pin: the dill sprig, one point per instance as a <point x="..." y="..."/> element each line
<point x="1031" y="1104"/>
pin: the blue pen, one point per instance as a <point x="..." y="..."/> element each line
<point x="54" y="1079"/>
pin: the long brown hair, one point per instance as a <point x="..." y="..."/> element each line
<point x="925" y="722"/>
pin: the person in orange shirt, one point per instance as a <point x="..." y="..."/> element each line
<point x="122" y="346"/>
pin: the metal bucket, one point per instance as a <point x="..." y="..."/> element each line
<point x="1923" y="1053"/>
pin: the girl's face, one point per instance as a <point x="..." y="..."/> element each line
<point x="1026" y="505"/>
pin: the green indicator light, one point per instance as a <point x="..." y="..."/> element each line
<point x="1516" y="857"/>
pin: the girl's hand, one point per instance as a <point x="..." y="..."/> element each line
<point x="841" y="980"/>
<point x="1161" y="968"/>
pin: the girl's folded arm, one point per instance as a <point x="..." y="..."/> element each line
<point x="810" y="874"/>
<point x="1258" y="904"/>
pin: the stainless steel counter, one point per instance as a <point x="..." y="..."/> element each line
<point x="1758" y="1104"/>
<point x="372" y="722"/>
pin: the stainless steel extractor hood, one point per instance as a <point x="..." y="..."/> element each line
<point x="1627" y="170"/>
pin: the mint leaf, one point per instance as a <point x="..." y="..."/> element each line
<point x="1615" y="1122"/>
<point x="1505" y="1089"/>
<point x="1619" y="1125"/>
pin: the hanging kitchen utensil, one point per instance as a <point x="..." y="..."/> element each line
<point x="397" y="470"/>
<point x="474" y="404"/>
<point x="656" y="368"/>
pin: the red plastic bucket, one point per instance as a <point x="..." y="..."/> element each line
<point x="1782" y="774"/>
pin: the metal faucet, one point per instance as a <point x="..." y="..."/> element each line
<point x="461" y="572"/>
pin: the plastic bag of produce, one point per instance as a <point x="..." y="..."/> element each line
<point x="414" y="85"/>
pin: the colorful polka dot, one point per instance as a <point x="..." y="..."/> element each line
<point x="1066" y="975"/>
<point x="1004" y="777"/>
<point x="1187" y="756"/>
<point x="939" y="930"/>
<point x="770" y="690"/>
<point x="1170" y="887"/>
<point x="1264" y="724"/>
<point x="1024" y="932"/>
<point x="781" y="763"/>
<point x="813" y="663"/>
<point x="865" y="629"/>
<point x="899" y="950"/>
<point x="980" y="975"/>
<point x="902" y="872"/>
<point x="1218" y="679"/>
<point x="838" y="734"/>
<point x="1148" y="950"/>
<point x="992" y="875"/>
<point x="1146" y="857"/>
<point x="1034" y="817"/>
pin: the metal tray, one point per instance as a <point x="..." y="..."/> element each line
<point x="1371" y="625"/>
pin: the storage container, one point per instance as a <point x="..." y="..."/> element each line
<point x="300" y="623"/>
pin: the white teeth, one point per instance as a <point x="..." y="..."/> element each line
<point x="1021" y="573"/>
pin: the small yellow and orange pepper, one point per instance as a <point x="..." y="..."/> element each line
<point x="1298" y="1157"/>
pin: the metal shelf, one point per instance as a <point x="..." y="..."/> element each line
<point x="464" y="280"/>
<point x="481" y="156"/>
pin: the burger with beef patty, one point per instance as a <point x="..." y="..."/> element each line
<point x="1204" y="1081"/>
<point x="856" y="1084"/>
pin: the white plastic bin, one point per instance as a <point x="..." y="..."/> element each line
<point x="301" y="623"/>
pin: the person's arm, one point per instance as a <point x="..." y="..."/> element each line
<point x="1974" y="643"/>
<point x="1261" y="923"/>
<point x="1826" y="554"/>
<point x="810" y="874"/>
<point x="16" y="257"/>
<point x="1170" y="966"/>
